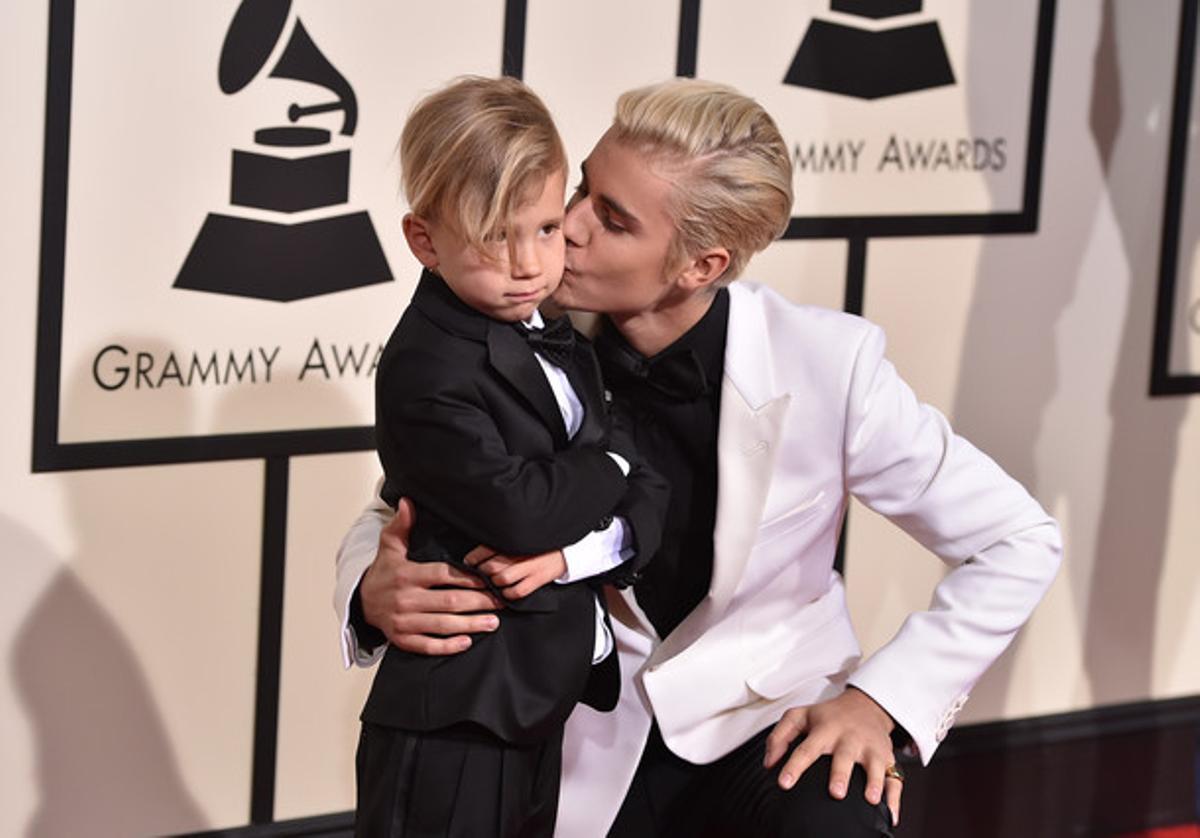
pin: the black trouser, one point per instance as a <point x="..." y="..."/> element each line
<point x="459" y="782"/>
<point x="736" y="796"/>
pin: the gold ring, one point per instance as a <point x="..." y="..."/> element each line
<point x="893" y="771"/>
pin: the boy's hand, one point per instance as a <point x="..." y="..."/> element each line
<point x="519" y="576"/>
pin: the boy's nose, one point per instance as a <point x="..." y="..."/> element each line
<point x="523" y="260"/>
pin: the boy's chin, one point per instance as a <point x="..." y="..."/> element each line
<point x="519" y="312"/>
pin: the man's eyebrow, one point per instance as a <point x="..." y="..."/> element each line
<point x="611" y="204"/>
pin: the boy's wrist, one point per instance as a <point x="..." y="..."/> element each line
<point x="598" y="552"/>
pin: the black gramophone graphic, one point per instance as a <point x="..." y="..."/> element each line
<point x="871" y="63"/>
<point x="278" y="260"/>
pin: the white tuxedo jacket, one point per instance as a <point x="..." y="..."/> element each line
<point x="811" y="413"/>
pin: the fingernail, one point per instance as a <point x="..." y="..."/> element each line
<point x="493" y="623"/>
<point x="786" y="780"/>
<point x="839" y="790"/>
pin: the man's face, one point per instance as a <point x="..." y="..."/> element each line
<point x="525" y="264"/>
<point x="619" y="232"/>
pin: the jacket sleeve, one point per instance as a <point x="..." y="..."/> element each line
<point x="354" y="556"/>
<point x="903" y="460"/>
<point x="456" y="463"/>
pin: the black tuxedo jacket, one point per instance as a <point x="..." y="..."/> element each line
<point x="468" y="428"/>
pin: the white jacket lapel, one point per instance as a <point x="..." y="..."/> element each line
<point x="751" y="420"/>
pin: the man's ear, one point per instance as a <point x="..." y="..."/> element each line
<point x="419" y="235"/>
<point x="704" y="269"/>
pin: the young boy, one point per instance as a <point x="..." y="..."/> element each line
<point x="493" y="421"/>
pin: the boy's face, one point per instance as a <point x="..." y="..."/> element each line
<point x="525" y="266"/>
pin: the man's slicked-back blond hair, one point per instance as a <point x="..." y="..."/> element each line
<point x="474" y="152"/>
<point x="732" y="170"/>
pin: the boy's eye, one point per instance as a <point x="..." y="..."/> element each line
<point x="549" y="229"/>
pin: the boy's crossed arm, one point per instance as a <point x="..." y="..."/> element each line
<point x="431" y="608"/>
<point x="457" y="465"/>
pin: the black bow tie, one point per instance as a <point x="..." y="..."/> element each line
<point x="555" y="341"/>
<point x="677" y="374"/>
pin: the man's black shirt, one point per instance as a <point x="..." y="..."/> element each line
<point x="671" y="402"/>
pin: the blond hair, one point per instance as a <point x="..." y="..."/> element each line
<point x="733" y="173"/>
<point x="474" y="152"/>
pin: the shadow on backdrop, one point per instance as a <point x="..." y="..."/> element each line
<point x="1120" y="641"/>
<point x="1099" y="139"/>
<point x="105" y="765"/>
<point x="103" y="758"/>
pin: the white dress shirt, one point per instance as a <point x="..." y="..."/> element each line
<point x="600" y="550"/>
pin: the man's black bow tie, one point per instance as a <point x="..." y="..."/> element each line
<point x="555" y="342"/>
<point x="677" y="374"/>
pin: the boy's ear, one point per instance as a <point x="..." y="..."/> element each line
<point x="418" y="234"/>
<point x="704" y="269"/>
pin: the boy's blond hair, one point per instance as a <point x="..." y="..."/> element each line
<point x="732" y="170"/>
<point x="474" y="152"/>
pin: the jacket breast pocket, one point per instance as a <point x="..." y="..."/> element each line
<point x="792" y="519"/>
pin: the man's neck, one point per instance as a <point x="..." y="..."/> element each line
<point x="650" y="332"/>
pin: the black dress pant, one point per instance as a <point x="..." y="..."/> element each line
<point x="735" y="796"/>
<point x="458" y="782"/>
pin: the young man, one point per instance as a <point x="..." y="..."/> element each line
<point x="736" y="644"/>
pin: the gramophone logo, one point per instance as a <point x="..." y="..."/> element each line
<point x="871" y="63"/>
<point x="290" y="169"/>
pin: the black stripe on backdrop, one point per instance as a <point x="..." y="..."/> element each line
<point x="270" y="640"/>
<point x="689" y="38"/>
<point x="56" y="152"/>
<point x="1162" y="381"/>
<point x="512" y="59"/>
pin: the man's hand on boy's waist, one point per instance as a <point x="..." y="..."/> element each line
<point x="426" y="608"/>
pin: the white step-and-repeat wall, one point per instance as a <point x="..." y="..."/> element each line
<point x="202" y="257"/>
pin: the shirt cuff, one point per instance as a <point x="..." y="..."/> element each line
<point x="598" y="552"/>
